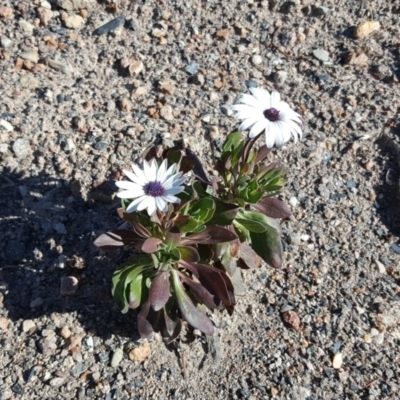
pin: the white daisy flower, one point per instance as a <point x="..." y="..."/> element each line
<point x="263" y="111"/>
<point x="152" y="188"/>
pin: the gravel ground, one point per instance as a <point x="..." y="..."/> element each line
<point x="78" y="103"/>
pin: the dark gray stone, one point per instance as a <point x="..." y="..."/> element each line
<point x="109" y="26"/>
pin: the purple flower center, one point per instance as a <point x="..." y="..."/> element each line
<point x="272" y="114"/>
<point x="153" y="189"/>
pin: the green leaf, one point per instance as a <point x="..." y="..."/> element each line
<point x="189" y="311"/>
<point x="174" y="155"/>
<point x="253" y="221"/>
<point x="224" y="213"/>
<point x="135" y="291"/>
<point x="189" y="253"/>
<point x="241" y="231"/>
<point x="268" y="246"/>
<point x="232" y="141"/>
<point x="200" y="212"/>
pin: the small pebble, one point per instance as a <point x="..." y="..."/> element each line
<point x="366" y="28"/>
<point x="381" y="267"/>
<point x="117" y="357"/>
<point x="226" y="110"/>
<point x="140" y="353"/>
<point x="65" y="333"/>
<point x="395" y="248"/>
<point x="256" y="59"/>
<point x="192" y="68"/>
<point x="337" y="360"/>
<point x="6" y="125"/>
<point x="74" y="22"/>
<point x="28" y="325"/>
<point x="280" y="77"/>
<point x="5" y="42"/>
<point x="4" y="322"/>
<point x="293" y="201"/>
<point x="367" y="338"/>
<point x="321" y="55"/>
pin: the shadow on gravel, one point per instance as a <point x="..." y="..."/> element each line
<point x="388" y="193"/>
<point x="47" y="232"/>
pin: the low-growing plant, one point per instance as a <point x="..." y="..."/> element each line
<point x="189" y="236"/>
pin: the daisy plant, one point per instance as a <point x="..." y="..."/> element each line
<point x="188" y="236"/>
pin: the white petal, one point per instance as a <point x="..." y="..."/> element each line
<point x="134" y="205"/>
<point x="270" y="135"/>
<point x="150" y="170"/>
<point x="161" y="204"/>
<point x="174" y="190"/>
<point x="171" y="199"/>
<point x="130" y="186"/>
<point x="262" y="96"/>
<point x="286" y="131"/>
<point x="296" y="128"/>
<point x="246" y="124"/>
<point x="140" y="178"/>
<point x="145" y="202"/>
<point x="248" y="110"/>
<point x="173" y="182"/>
<point x="251" y="101"/>
<point x="171" y="171"/>
<point x="134" y="177"/>
<point x="257" y="128"/>
<point x="279" y="138"/>
<point x="151" y="205"/>
<point x="128" y="194"/>
<point x="275" y="99"/>
<point x="285" y="110"/>
<point x="162" y="169"/>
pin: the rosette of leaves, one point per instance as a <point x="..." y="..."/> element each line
<point x="170" y="277"/>
<point x="250" y="184"/>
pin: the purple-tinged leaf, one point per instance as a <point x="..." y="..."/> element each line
<point x="248" y="146"/>
<point x="262" y="154"/>
<point x="173" y="236"/>
<point x="198" y="168"/>
<point x="159" y="292"/>
<point x="200" y="292"/>
<point x="144" y="326"/>
<point x="189" y="311"/>
<point x="210" y="235"/>
<point x="189" y="253"/>
<point x="186" y="165"/>
<point x="249" y="256"/>
<point x="149" y="153"/>
<point x="192" y="267"/>
<point x="214" y="280"/>
<point x="140" y="229"/>
<point x="214" y="184"/>
<point x="273" y="208"/>
<point x="114" y="239"/>
<point x="150" y="245"/>
<point x="181" y="220"/>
